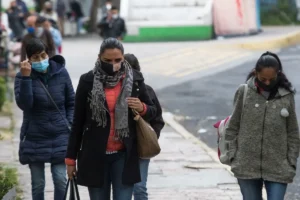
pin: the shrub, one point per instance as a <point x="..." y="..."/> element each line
<point x="8" y="180"/>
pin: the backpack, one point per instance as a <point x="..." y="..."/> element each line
<point x="221" y="126"/>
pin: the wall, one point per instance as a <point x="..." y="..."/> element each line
<point x="157" y="20"/>
<point x="235" y="17"/>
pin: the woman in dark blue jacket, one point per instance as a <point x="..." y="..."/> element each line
<point x="45" y="129"/>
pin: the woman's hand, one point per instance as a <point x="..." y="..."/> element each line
<point x="71" y="170"/>
<point x="135" y="103"/>
<point x="25" y="68"/>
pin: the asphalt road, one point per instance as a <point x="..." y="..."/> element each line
<point x="200" y="103"/>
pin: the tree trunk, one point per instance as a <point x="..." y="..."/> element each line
<point x="93" y="16"/>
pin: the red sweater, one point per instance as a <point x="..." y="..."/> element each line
<point x="111" y="99"/>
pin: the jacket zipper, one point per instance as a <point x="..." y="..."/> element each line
<point x="262" y="139"/>
<point x="24" y="138"/>
<point x="81" y="145"/>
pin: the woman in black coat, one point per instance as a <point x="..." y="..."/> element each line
<point x="103" y="138"/>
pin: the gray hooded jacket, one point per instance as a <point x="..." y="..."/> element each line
<point x="263" y="136"/>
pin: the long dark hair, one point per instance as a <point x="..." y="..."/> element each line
<point x="133" y="61"/>
<point x="271" y="60"/>
<point x="111" y="43"/>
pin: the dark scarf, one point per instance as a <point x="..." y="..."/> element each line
<point x="97" y="101"/>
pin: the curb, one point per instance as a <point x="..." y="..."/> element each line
<point x="277" y="43"/>
<point x="169" y="119"/>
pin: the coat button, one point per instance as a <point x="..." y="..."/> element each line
<point x="274" y="106"/>
<point x="138" y="89"/>
<point x="257" y="105"/>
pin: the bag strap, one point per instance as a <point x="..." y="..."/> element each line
<point x="72" y="184"/>
<point x="53" y="102"/>
<point x="75" y="186"/>
<point x="66" y="191"/>
<point x="245" y="94"/>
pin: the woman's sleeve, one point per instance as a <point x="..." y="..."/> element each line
<point x="78" y="120"/>
<point x="70" y="98"/>
<point x="149" y="107"/>
<point x="293" y="134"/>
<point x="23" y="92"/>
<point x="233" y="128"/>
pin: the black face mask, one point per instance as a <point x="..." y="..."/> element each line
<point x="108" y="68"/>
<point x="49" y="9"/>
<point x="267" y="88"/>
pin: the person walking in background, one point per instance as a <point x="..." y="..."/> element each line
<point x="45" y="128"/>
<point x="61" y="14"/>
<point x="15" y="18"/>
<point x="263" y="134"/>
<point x="48" y="12"/>
<point x="78" y="14"/>
<point x="112" y="25"/>
<point x="106" y="8"/>
<point x="30" y="23"/>
<point x="23" y="7"/>
<point x="103" y="137"/>
<point x="157" y="123"/>
<point x="38" y="31"/>
<point x="56" y="36"/>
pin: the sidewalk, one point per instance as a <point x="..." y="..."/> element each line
<point x="182" y="171"/>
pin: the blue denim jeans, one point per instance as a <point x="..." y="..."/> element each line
<point x="140" y="189"/>
<point x="79" y="25"/>
<point x="113" y="176"/>
<point x="252" y="189"/>
<point x="38" y="180"/>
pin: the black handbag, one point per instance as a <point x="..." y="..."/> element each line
<point x="73" y="188"/>
<point x="53" y="102"/>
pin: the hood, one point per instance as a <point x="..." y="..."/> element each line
<point x="57" y="63"/>
<point x="138" y="76"/>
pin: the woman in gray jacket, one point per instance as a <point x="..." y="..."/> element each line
<point x="263" y="134"/>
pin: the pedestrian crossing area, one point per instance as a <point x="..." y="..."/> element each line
<point x="185" y="62"/>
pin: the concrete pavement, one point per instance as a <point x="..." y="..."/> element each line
<point x="183" y="170"/>
<point x="163" y="65"/>
<point x="209" y="99"/>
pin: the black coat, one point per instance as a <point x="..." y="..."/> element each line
<point x="157" y="123"/>
<point x="76" y="8"/>
<point x="115" y="28"/>
<point x="87" y="142"/>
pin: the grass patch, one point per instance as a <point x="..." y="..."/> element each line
<point x="7" y="133"/>
<point x="284" y="13"/>
<point x="8" y="179"/>
<point x="6" y="109"/>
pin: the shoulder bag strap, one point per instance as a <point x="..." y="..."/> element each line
<point x="245" y="94"/>
<point x="53" y="102"/>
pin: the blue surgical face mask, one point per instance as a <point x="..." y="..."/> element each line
<point x="40" y="66"/>
<point x="30" y="29"/>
